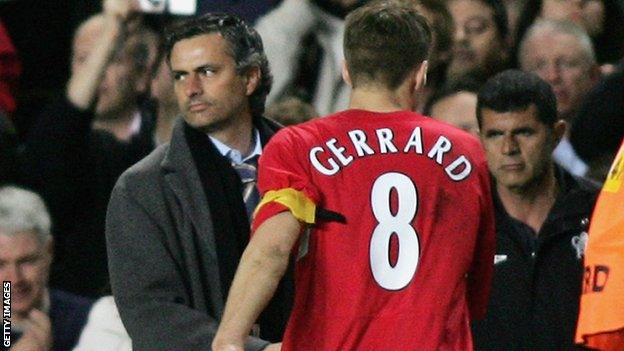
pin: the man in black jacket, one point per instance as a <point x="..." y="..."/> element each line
<point x="178" y="221"/>
<point x="541" y="218"/>
<point x="79" y="146"/>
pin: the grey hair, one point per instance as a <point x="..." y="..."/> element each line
<point x="22" y="210"/>
<point x="561" y="27"/>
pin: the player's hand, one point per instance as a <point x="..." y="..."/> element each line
<point x="38" y="333"/>
<point x="274" y="347"/>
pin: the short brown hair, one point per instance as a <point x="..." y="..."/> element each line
<point x="384" y="41"/>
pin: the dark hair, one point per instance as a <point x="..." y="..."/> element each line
<point x="384" y="41"/>
<point x="291" y="110"/>
<point x="245" y="47"/>
<point x="515" y="90"/>
<point x="468" y="82"/>
<point x="608" y="45"/>
<point x="501" y="20"/>
<point x="441" y="23"/>
<point x="598" y="128"/>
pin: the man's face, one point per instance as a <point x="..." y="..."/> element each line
<point x="518" y="147"/>
<point x="117" y="91"/>
<point x="26" y="263"/>
<point x="459" y="110"/>
<point x="210" y="93"/>
<point x="476" y="44"/>
<point x="560" y="60"/>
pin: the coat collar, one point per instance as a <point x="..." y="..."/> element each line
<point x="183" y="178"/>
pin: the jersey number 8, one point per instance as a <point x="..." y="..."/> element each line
<point x="398" y="276"/>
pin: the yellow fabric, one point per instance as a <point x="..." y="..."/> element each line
<point x="297" y="202"/>
<point x="601" y="315"/>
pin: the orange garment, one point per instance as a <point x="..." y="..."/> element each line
<point x="601" y="316"/>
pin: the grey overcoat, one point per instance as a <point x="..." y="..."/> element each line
<point x="161" y="251"/>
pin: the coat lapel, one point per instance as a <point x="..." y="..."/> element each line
<point x="183" y="178"/>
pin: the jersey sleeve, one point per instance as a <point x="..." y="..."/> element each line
<point x="480" y="276"/>
<point x="284" y="180"/>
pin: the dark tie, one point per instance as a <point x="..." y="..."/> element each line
<point x="247" y="173"/>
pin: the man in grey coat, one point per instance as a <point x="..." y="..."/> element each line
<point x="178" y="221"/>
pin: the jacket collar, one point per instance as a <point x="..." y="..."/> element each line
<point x="183" y="177"/>
<point x="576" y="198"/>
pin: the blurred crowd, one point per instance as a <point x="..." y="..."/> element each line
<point x="86" y="92"/>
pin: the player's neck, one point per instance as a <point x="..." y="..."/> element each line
<point x="379" y="100"/>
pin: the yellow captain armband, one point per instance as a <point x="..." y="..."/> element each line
<point x="297" y="202"/>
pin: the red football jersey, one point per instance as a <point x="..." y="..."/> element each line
<point x="413" y="259"/>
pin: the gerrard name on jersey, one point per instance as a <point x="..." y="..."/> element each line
<point x="335" y="157"/>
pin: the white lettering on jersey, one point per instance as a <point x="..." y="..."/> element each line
<point x="339" y="152"/>
<point x="461" y="160"/>
<point x="415" y="141"/>
<point x="338" y="156"/>
<point x="385" y="136"/>
<point x="317" y="164"/>
<point x="442" y="146"/>
<point x="358" y="138"/>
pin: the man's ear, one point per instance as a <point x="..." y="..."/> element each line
<point x="252" y="80"/>
<point x="421" y="75"/>
<point x="345" y="74"/>
<point x="559" y="130"/>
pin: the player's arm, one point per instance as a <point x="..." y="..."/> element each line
<point x="262" y="265"/>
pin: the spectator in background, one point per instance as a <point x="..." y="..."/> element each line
<point x="290" y="111"/>
<point x="602" y="19"/>
<point x="167" y="110"/>
<point x="561" y="54"/>
<point x="456" y="103"/>
<point x="178" y="221"/>
<point x="110" y="79"/>
<point x="80" y="144"/>
<point x="42" y="319"/>
<point x="598" y="128"/>
<point x="10" y="69"/>
<point x="442" y="31"/>
<point x="303" y="41"/>
<point x="541" y="219"/>
<point x="481" y="42"/>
